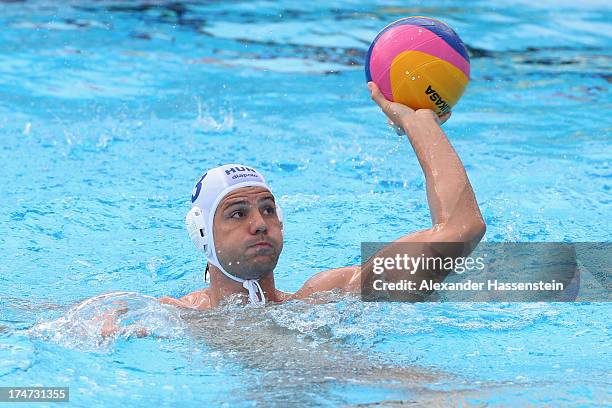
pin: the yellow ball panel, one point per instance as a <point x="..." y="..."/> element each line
<point x="423" y="81"/>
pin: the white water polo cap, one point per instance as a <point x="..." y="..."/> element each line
<point x="207" y="194"/>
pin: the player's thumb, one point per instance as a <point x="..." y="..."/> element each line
<point x="376" y="95"/>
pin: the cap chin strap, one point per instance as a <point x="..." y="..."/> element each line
<point x="251" y="285"/>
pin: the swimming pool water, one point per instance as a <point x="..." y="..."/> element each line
<point x="110" y="111"/>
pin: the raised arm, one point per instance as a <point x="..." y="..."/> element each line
<point x="454" y="211"/>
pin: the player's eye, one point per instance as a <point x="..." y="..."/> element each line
<point x="237" y="214"/>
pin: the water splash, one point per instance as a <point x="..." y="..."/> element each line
<point x="205" y="122"/>
<point x="81" y="326"/>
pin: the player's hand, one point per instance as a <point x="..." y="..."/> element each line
<point x="109" y="325"/>
<point x="399" y="114"/>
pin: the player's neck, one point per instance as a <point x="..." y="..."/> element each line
<point x="223" y="287"/>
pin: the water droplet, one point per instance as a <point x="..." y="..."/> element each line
<point x="412" y="78"/>
<point x="407" y="72"/>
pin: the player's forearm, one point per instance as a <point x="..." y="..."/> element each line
<point x="449" y="193"/>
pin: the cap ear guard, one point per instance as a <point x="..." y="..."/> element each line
<point x="281" y="216"/>
<point x="196" y="228"/>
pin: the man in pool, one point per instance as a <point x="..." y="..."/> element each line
<point x="237" y="224"/>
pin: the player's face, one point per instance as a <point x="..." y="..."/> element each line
<point x="247" y="232"/>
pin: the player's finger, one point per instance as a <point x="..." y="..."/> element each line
<point x="377" y="96"/>
<point x="445" y="117"/>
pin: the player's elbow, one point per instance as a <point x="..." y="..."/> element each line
<point x="469" y="231"/>
<point x="477" y="229"/>
<point x="472" y="231"/>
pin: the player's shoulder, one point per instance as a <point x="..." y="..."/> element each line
<point x="200" y="299"/>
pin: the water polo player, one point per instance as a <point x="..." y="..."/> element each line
<point x="237" y="223"/>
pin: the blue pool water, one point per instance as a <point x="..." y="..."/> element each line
<point x="109" y="111"/>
